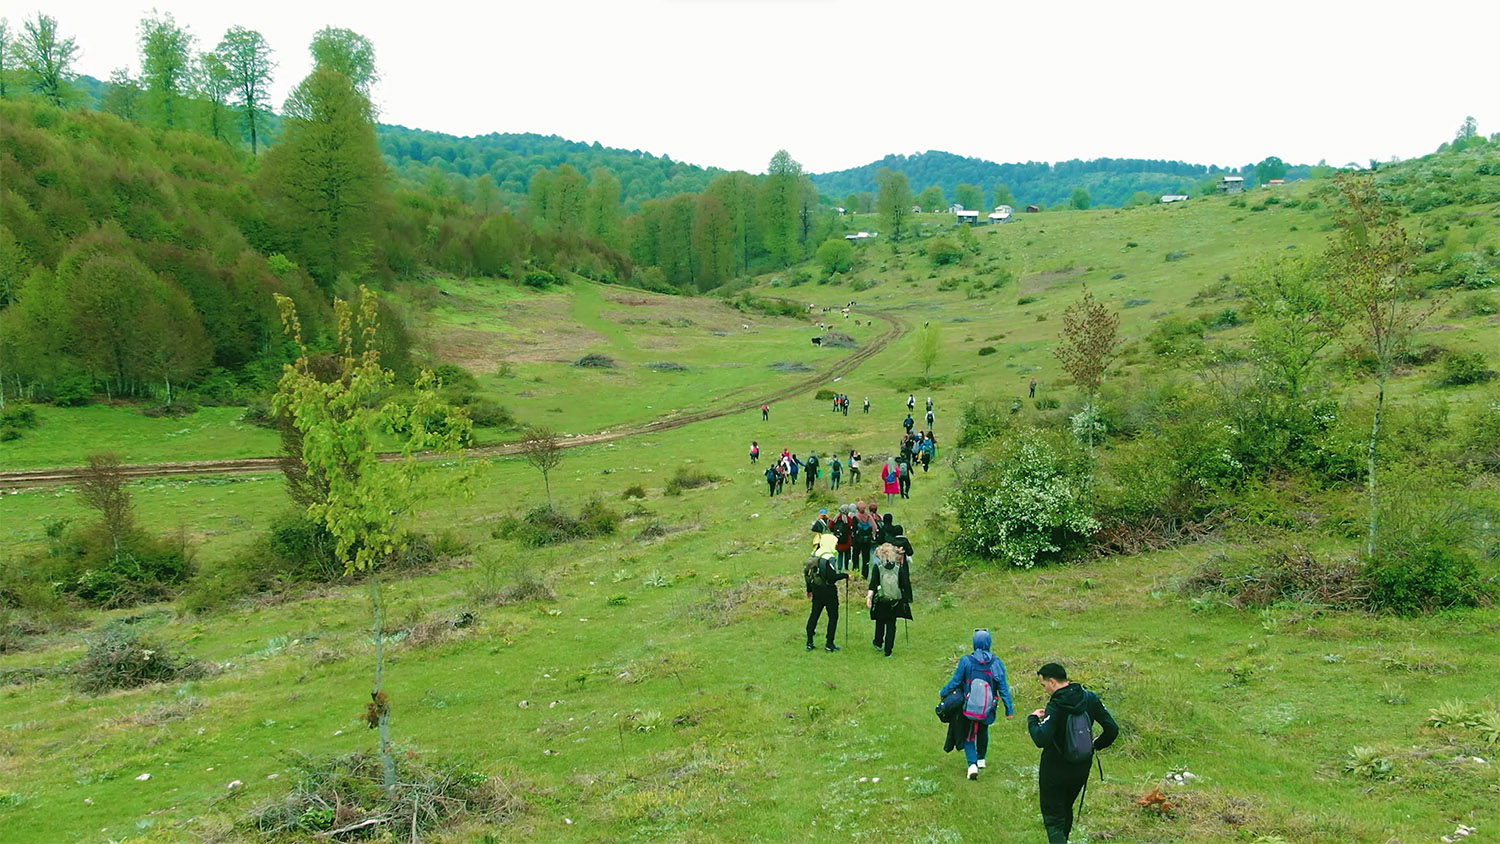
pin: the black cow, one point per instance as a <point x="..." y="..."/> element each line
<point x="817" y="341"/>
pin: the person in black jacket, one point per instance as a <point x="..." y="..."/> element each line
<point x="896" y="535"/>
<point x="889" y="594"/>
<point x="822" y="589"/>
<point x="1062" y="775"/>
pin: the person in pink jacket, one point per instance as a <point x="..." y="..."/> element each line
<point x="891" y="475"/>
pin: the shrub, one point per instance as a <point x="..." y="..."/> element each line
<point x="455" y="378"/>
<point x="544" y="526"/>
<point x="1463" y="368"/>
<point x="944" y="251"/>
<point x="1425" y="580"/>
<point x="689" y="478"/>
<point x="344" y="792"/>
<point x="985" y="419"/>
<point x="635" y="491"/>
<point x="595" y="361"/>
<point x="1025" y="300"/>
<point x="122" y="657"/>
<point x="1476" y="304"/>
<point x="487" y="413"/>
<point x="1279" y="574"/>
<point x="1026" y="503"/>
<point x="825" y="394"/>
<point x="985" y="351"/>
<point x="538" y="279"/>
<point x="18" y="416"/>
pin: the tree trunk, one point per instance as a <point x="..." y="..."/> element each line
<point x="1370" y="465"/>
<point x="387" y="761"/>
<point x="546" y="482"/>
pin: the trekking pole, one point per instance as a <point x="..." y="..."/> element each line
<point x="846" y="611"/>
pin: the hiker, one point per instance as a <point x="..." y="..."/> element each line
<point x="980" y="677"/>
<point x="822" y="524"/>
<point x="929" y="417"/>
<point x="754" y="452"/>
<point x="908" y="423"/>
<point x="904" y="482"/>
<point x="835" y="473"/>
<point x="889" y="595"/>
<point x="867" y="404"/>
<point x="771" y="475"/>
<point x="843" y="530"/>
<point x="929" y="404"/>
<point x="812" y="469"/>
<point x="1032" y="393"/>
<point x="846" y="405"/>
<point x="1064" y="730"/>
<point x="911" y="402"/>
<point x="853" y="467"/>
<point x="765" y="413"/>
<point x="896" y="535"/>
<point x="822" y="589"/>
<point x="865" y="533"/>
<point x="892" y="478"/>
<point x="780" y="477"/>
<point x="793" y="466"/>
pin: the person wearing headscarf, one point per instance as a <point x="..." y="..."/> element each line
<point x="983" y="666"/>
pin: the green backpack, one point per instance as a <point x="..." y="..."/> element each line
<point x="888" y="584"/>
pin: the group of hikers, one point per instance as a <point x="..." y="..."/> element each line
<point x="787" y="467"/>
<point x="970" y="700"/>
<point x="841" y="404"/>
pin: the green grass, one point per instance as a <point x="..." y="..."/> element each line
<point x="65" y="437"/>
<point x="759" y="740"/>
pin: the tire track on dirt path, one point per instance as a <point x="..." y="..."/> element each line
<point x="28" y="478"/>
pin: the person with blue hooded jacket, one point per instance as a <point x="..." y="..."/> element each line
<point x="980" y="665"/>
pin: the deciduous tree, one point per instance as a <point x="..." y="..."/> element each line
<point x="931" y="198"/>
<point x="338" y="406"/>
<point x="779" y="203"/>
<point x="970" y="197"/>
<point x="122" y="95"/>
<point x="542" y="448"/>
<point x="928" y="347"/>
<point x="349" y="53"/>
<point x="212" y="80"/>
<point x="1000" y="195"/>
<point x="166" y="63"/>
<point x="247" y="59"/>
<point x="1369" y="259"/>
<point x="1081" y="200"/>
<point x="47" y="58"/>
<point x="893" y="202"/>
<point x="1090" y="338"/>
<point x="602" y="216"/>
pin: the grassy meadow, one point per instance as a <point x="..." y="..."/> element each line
<point x="661" y="692"/>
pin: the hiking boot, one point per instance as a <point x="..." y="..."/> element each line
<point x="973" y="772"/>
<point x="981" y="764"/>
<point x="832" y="648"/>
<point x="809" y="645"/>
<point x="887" y="654"/>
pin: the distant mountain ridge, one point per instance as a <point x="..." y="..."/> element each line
<point x="1109" y="181"/>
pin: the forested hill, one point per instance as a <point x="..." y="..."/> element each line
<point x="510" y="160"/>
<point x="1109" y="181"/>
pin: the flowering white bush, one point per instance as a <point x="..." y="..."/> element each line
<point x="1026" y="505"/>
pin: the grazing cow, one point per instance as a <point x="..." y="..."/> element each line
<point x="817" y="341"/>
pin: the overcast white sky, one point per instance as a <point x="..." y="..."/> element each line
<point x="841" y="83"/>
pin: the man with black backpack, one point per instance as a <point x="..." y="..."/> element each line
<point x="1064" y="730"/>
<point x="810" y="468"/>
<point x="822" y="581"/>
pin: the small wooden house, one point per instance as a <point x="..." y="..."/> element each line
<point x="970" y="217"/>
<point x="1032" y="209"/>
<point x="1232" y="184"/>
<point x="1174" y="197"/>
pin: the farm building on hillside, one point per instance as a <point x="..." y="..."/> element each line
<point x="859" y="237"/>
<point x="955" y="208"/>
<point x="916" y="209"/>
<point x="1032" y="209"/>
<point x="1174" y="197"/>
<point x="1000" y="214"/>
<point x="1275" y="183"/>
<point x="970" y="217"/>
<point x="1232" y="184"/>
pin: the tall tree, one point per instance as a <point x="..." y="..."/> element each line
<point x="737" y="192"/>
<point x="7" y="39"/>
<point x="166" y="63"/>
<point x="779" y="203"/>
<point x="893" y="202"/>
<point x="1000" y="195"/>
<point x="1090" y="337"/>
<point x="1269" y="168"/>
<point x="486" y="194"/>
<point x="122" y="95"/>
<point x="543" y="449"/>
<point x="1081" y="200"/>
<point x="674" y="244"/>
<point x="602" y="216"/>
<point x="969" y="196"/>
<point x="326" y="177"/>
<point x="349" y="53"/>
<point x="247" y="60"/>
<point x="1370" y="258"/>
<point x="713" y="246"/>
<point x="175" y="347"/>
<point x="212" y="80"/>
<point x="47" y="58"/>
<point x="931" y="198"/>
<point x="568" y="200"/>
<point x="340" y="408"/>
<point x="807" y="210"/>
<point x="1295" y="318"/>
<point x="928" y="347"/>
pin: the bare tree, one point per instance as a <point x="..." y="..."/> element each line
<point x="1369" y="258"/>
<point x="1090" y="340"/>
<point x="102" y="487"/>
<point x="542" y="448"/>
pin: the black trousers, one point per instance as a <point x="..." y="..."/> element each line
<point x="862" y="556"/>
<point x="885" y="633"/>
<point x="1058" y="784"/>
<point x="834" y="480"/>
<point x="824" y="599"/>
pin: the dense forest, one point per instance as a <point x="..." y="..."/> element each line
<point x="1111" y="182"/>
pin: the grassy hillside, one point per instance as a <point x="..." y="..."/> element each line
<point x="657" y="689"/>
